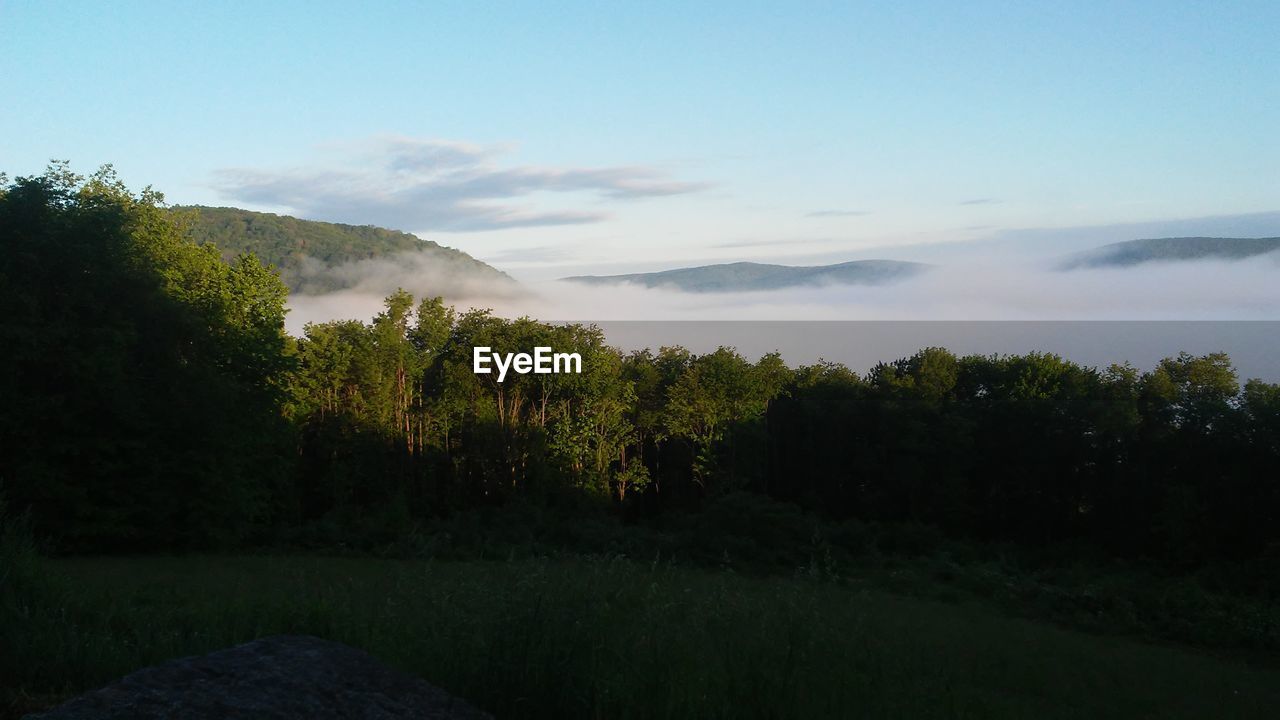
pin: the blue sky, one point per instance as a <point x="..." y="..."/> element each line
<point x="549" y="137"/>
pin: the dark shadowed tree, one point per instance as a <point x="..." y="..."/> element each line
<point x="142" y="375"/>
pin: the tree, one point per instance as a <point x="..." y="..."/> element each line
<point x="142" y="375"/>
<point x="713" y="393"/>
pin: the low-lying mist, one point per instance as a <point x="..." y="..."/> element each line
<point x="1202" y="290"/>
<point x="366" y="283"/>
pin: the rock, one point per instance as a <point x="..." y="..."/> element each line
<point x="284" y="676"/>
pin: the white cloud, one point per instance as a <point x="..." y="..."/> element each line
<point x="435" y="185"/>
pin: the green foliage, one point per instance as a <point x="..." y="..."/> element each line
<point x="142" y="375"/>
<point x="715" y="395"/>
<point x="1037" y="450"/>
<point x="439" y="435"/>
<point x="305" y="251"/>
<point x="1029" y="449"/>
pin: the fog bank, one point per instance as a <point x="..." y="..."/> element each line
<point x="1205" y="290"/>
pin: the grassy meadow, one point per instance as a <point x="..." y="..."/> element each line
<point x="607" y="637"/>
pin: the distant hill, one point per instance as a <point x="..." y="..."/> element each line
<point x="1136" y="252"/>
<point x="319" y="257"/>
<point x="744" y="276"/>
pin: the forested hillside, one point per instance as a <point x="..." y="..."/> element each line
<point x="749" y="276"/>
<point x="1181" y="249"/>
<point x="306" y="252"/>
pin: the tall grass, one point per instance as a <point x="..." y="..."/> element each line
<point x="29" y="603"/>
<point x="1225" y="607"/>
<point x="612" y="638"/>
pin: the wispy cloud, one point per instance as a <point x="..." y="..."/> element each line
<point x="410" y="155"/>
<point x="433" y="185"/>
<point x="980" y="201"/>
<point x="837" y="213"/>
<point x="540" y="254"/>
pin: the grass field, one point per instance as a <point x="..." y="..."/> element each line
<point x="610" y="638"/>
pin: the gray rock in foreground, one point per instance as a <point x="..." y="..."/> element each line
<point x="284" y="676"/>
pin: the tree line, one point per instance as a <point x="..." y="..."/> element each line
<point x="154" y="401"/>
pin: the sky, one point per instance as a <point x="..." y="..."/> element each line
<point x="556" y="138"/>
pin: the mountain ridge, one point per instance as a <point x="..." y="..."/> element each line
<point x="315" y="257"/>
<point x="1170" y="249"/>
<point x="748" y="276"/>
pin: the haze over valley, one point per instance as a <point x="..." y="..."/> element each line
<point x="341" y="271"/>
